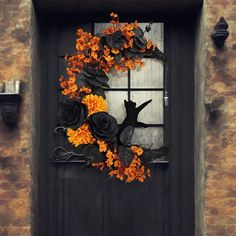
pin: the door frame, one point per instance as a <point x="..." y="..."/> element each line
<point x="180" y="84"/>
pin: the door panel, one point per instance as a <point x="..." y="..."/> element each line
<point x="78" y="201"/>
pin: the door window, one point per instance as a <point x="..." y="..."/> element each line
<point x="140" y="85"/>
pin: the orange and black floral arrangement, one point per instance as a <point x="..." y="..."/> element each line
<point x="94" y="134"/>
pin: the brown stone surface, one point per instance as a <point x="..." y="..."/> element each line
<point x="220" y="137"/>
<point x="15" y="145"/>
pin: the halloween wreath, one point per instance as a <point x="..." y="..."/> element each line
<point x="95" y="135"/>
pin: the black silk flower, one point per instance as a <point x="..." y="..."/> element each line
<point x="94" y="77"/>
<point x="103" y="126"/>
<point x="72" y="113"/>
<point x="115" y="40"/>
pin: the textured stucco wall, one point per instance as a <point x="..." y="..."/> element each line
<point x="215" y="141"/>
<point x="15" y="146"/>
<point x="220" y="153"/>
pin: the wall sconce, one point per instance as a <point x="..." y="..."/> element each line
<point x="10" y="100"/>
<point x="220" y="33"/>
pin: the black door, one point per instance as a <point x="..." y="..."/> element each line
<point x="76" y="201"/>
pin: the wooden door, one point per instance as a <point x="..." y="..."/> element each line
<point x="76" y="201"/>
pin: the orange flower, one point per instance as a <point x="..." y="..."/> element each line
<point x="106" y="50"/>
<point x="71" y="89"/>
<point x="111" y="158"/>
<point x="99" y="165"/>
<point x="102" y="146"/>
<point x="142" y="50"/>
<point x="136" y="25"/>
<point x="109" y="58"/>
<point x="109" y="30"/>
<point x="129" y="27"/>
<point x="149" y="44"/>
<point x="137" y="150"/>
<point x="94" y="55"/>
<point x="130" y="64"/>
<point x="95" y="48"/>
<point x="95" y="104"/>
<point x="114" y="15"/>
<point x="85" y="90"/>
<point x="115" y="51"/>
<point x="117" y="164"/>
<point x="80" y="136"/>
<point x="95" y="39"/>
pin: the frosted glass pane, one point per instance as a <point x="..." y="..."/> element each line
<point x="99" y="27"/>
<point x="118" y="79"/>
<point x="148" y="137"/>
<point x="153" y="112"/>
<point x="115" y="101"/>
<point x="156" y="34"/>
<point x="149" y="76"/>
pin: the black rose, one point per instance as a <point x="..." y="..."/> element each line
<point x="72" y="113"/>
<point x="116" y="40"/>
<point x="95" y="77"/>
<point x="103" y="126"/>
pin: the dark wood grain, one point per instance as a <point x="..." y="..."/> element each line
<point x="83" y="202"/>
<point x="91" y="7"/>
<point x="179" y="47"/>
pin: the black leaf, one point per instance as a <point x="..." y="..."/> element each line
<point x="92" y="154"/>
<point x="159" y="55"/>
<point x="140" y="42"/>
<point x="105" y="85"/>
<point x="134" y="49"/>
<point x="118" y="57"/>
<point x="94" y="81"/>
<point x="99" y="91"/>
<point x="151" y="155"/>
<point x="127" y="135"/>
<point x="115" y="40"/>
<point x="128" y="53"/>
<point x="138" y="32"/>
<point x="102" y="79"/>
<point x="126" y="155"/>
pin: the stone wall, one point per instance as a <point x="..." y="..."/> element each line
<point x="215" y="155"/>
<point x="15" y="146"/>
<point x="220" y="133"/>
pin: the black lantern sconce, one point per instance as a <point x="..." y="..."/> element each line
<point x="10" y="100"/>
<point x="220" y="33"/>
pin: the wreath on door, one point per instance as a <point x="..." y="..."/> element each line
<point x="94" y="134"/>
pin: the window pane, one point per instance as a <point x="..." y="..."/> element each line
<point x="115" y="101"/>
<point x="148" y="137"/>
<point x="99" y="27"/>
<point x="149" y="76"/>
<point x="156" y="34"/>
<point x="118" y="79"/>
<point x="153" y="112"/>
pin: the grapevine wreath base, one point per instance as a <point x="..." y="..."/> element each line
<point x="94" y="135"/>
